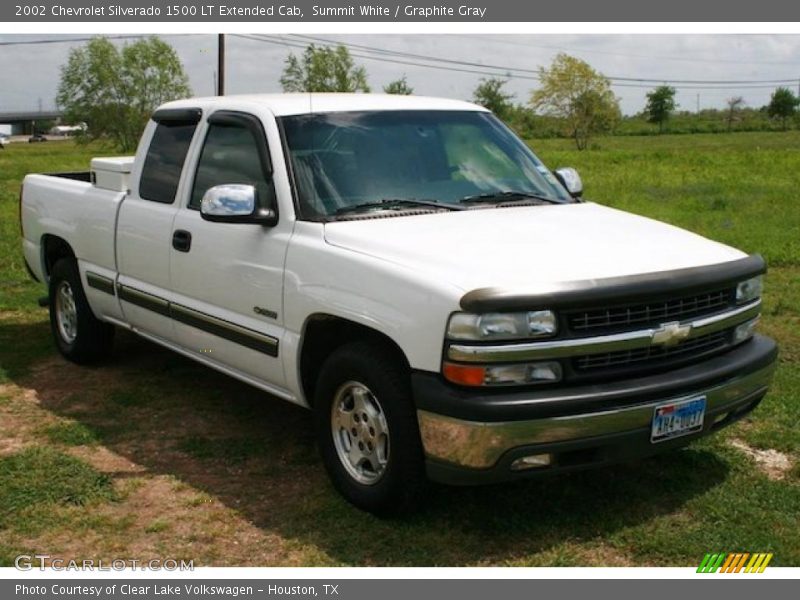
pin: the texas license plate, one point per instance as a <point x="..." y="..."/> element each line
<point x="674" y="419"/>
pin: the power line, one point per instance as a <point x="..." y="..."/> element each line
<point x="375" y="58"/>
<point x="89" y="39"/>
<point x="411" y="59"/>
<point x="503" y="70"/>
<point x="488" y="38"/>
<point x="67" y="41"/>
<point x="536" y="71"/>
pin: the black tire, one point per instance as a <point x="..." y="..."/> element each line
<point x="401" y="484"/>
<point x="91" y="339"/>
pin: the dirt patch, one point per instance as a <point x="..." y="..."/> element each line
<point x="602" y="556"/>
<point x="210" y="509"/>
<point x="772" y="463"/>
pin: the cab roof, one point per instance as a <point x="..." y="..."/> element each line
<point x="305" y="103"/>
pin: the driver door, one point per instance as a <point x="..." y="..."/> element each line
<point x="228" y="277"/>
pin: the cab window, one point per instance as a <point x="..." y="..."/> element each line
<point x="230" y="155"/>
<point x="164" y="161"/>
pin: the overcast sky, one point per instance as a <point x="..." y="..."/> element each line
<point x="29" y="73"/>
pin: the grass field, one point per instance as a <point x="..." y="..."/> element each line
<point x="153" y="456"/>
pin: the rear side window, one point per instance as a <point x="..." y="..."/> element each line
<point x="164" y="161"/>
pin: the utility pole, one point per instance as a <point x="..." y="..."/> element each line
<point x="221" y="64"/>
<point x="698" y="102"/>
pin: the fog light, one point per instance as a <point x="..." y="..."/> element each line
<point x="745" y="331"/>
<point x="534" y="461"/>
<point x="540" y="372"/>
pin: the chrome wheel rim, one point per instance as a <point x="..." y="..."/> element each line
<point x="66" y="313"/>
<point x="360" y="432"/>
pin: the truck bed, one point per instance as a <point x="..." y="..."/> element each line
<point x="69" y="206"/>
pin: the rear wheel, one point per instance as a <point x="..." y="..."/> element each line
<point x="79" y="335"/>
<point x="367" y="429"/>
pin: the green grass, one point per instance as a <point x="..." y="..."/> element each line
<point x="70" y="433"/>
<point x="240" y="464"/>
<point x="739" y="189"/>
<point x="35" y="479"/>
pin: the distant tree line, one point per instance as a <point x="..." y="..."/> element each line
<point x="114" y="90"/>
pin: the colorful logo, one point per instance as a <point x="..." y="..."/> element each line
<point x="738" y="562"/>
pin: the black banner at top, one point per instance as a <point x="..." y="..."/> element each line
<point x="439" y="11"/>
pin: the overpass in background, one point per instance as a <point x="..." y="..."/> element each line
<point x="24" y="122"/>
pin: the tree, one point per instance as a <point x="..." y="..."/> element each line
<point x="323" y="69"/>
<point x="490" y="94"/>
<point x="580" y="96"/>
<point x="660" y="104"/>
<point x="114" y="91"/>
<point x="734" y="105"/>
<point x="398" y="86"/>
<point x="782" y="105"/>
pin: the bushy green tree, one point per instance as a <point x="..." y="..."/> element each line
<point x="490" y="94"/>
<point x="782" y="105"/>
<point x="398" y="86"/>
<point x="660" y="105"/>
<point x="581" y="97"/>
<point x="114" y="91"/>
<point x="323" y="69"/>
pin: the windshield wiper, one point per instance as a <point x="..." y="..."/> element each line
<point x="506" y="196"/>
<point x="397" y="203"/>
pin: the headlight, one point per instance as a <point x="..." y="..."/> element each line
<point x="748" y="290"/>
<point x="502" y="326"/>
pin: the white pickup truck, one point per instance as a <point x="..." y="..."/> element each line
<point x="449" y="308"/>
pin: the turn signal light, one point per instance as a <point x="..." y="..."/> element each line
<point x="464" y="374"/>
<point x="498" y="375"/>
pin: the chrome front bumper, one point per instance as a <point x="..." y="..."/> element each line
<point x="477" y="445"/>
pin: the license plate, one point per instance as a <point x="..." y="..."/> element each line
<point x="674" y="419"/>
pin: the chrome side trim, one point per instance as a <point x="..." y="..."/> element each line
<point x="143" y="299"/>
<point x="641" y="338"/>
<point x="232" y="332"/>
<point x="480" y="445"/>
<point x="99" y="282"/>
<point x="224" y="329"/>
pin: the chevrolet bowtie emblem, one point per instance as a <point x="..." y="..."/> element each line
<point x="672" y="333"/>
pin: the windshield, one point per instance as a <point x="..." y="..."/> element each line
<point x="348" y="159"/>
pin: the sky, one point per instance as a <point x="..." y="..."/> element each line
<point x="29" y="73"/>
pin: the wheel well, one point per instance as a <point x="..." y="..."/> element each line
<point x="54" y="249"/>
<point x="323" y="334"/>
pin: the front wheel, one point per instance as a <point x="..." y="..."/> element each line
<point x="367" y="429"/>
<point x="79" y="335"/>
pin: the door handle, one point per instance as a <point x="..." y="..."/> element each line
<point x="182" y="240"/>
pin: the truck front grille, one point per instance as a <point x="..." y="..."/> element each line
<point x="631" y="316"/>
<point x="653" y="356"/>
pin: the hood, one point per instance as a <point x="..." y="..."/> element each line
<point x="528" y="248"/>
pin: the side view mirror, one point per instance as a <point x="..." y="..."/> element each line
<point x="235" y="203"/>
<point x="569" y="178"/>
